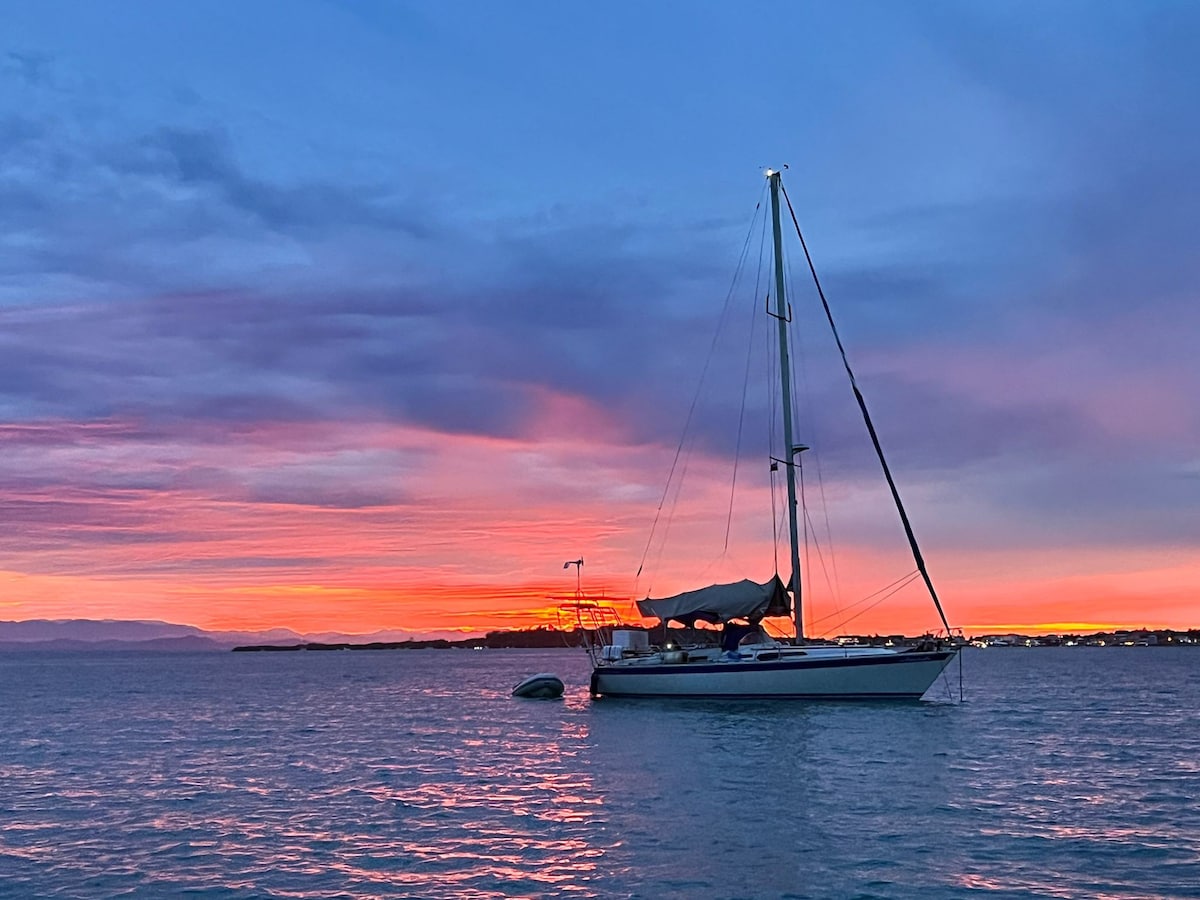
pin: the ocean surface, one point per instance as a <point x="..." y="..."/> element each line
<point x="1067" y="773"/>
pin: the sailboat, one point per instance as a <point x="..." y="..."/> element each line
<point x="748" y="663"/>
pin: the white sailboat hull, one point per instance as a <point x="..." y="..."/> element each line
<point x="900" y="676"/>
<point x="749" y="664"/>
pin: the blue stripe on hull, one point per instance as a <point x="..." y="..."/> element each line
<point x="761" y="696"/>
<point x="890" y="676"/>
<point x="787" y="664"/>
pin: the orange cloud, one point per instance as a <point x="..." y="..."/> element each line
<point x="322" y="528"/>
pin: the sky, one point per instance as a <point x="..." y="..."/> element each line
<point x="367" y="316"/>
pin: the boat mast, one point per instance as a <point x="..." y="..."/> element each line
<point x="783" y="316"/>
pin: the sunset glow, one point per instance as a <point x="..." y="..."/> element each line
<point x="380" y="350"/>
<point x="286" y="537"/>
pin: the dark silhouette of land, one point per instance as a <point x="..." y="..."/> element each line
<point x="552" y="638"/>
<point x="72" y="635"/>
<point x="494" y="640"/>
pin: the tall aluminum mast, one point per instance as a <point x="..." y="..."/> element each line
<point x="783" y="316"/>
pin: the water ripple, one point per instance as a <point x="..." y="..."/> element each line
<point x="1067" y="774"/>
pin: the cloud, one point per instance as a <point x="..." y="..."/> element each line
<point x="33" y="69"/>
<point x="103" y="206"/>
<point x="213" y="325"/>
<point x="1116" y="155"/>
<point x="203" y="159"/>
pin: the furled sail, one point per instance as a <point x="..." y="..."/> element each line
<point x="722" y="602"/>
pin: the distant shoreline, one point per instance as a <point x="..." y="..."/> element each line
<point x="544" y="638"/>
<point x="531" y="639"/>
<point x="105" y="636"/>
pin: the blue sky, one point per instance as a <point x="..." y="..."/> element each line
<point x="464" y="218"/>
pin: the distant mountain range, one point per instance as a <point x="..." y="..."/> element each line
<point x="114" y="634"/>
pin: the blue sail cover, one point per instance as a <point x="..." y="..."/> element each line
<point x="722" y="602"/>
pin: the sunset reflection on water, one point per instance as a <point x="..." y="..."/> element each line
<point x="415" y="774"/>
<point x="509" y="805"/>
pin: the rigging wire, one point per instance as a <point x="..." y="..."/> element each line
<point x="834" y="591"/>
<point x="778" y="510"/>
<point x="684" y="438"/>
<point x="810" y="419"/>
<point x="807" y="544"/>
<point x="903" y="583"/>
<point x="835" y="586"/>
<point x="737" y="454"/>
<point x="862" y="405"/>
<point x="799" y="598"/>
<point x="799" y="369"/>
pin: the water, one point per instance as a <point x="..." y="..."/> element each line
<point x="1069" y="773"/>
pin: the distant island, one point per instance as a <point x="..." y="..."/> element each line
<point x="118" y="635"/>
<point x="529" y="638"/>
<point x="1141" y="637"/>
<point x="91" y="635"/>
<point x="551" y="638"/>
